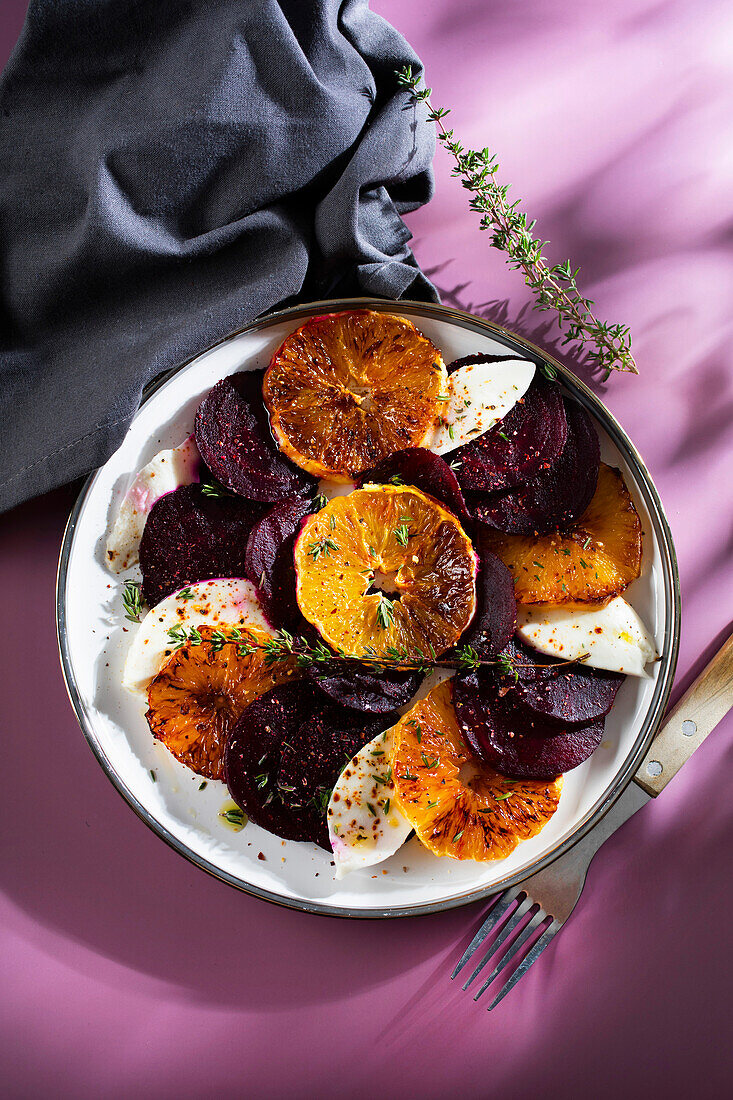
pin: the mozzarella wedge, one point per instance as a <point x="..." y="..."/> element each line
<point x="365" y="825"/>
<point x="165" y="472"/>
<point x="476" y="397"/>
<point x="614" y="636"/>
<point x="221" y="604"/>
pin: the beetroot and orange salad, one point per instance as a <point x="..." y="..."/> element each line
<point x="465" y="529"/>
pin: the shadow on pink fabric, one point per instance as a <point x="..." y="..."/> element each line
<point x="126" y="972"/>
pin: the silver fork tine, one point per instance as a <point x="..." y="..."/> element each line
<point x="519" y="913"/>
<point x="498" y="910"/>
<point x="532" y="956"/>
<point x="514" y="948"/>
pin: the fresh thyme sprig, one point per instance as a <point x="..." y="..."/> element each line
<point x="215" y="490"/>
<point x="385" y="612"/>
<point x="283" y="646"/>
<point x="179" y="635"/>
<point x="554" y="285"/>
<point x="402" y="531"/>
<point x="132" y="601"/>
<point x="508" y="666"/>
<point x="324" y="546"/>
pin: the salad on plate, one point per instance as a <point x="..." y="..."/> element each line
<point x="378" y="596"/>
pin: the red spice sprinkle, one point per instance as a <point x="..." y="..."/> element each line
<point x="261" y="855"/>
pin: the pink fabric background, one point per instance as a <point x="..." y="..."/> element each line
<point x="127" y="972"/>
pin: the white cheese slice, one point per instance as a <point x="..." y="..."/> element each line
<point x="165" y="472"/>
<point x="476" y="397"/>
<point x="613" y="636"/>
<point x="221" y="604"/>
<point x="365" y="826"/>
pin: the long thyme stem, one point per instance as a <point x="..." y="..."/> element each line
<point x="284" y="645"/>
<point x="554" y="285"/>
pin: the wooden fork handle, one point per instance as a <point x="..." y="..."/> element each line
<point x="698" y="712"/>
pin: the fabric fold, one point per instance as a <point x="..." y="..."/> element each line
<point x="170" y="172"/>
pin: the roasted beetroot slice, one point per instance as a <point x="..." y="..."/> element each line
<point x="513" y="741"/>
<point x="286" y="752"/>
<point x="495" y="620"/>
<point x="269" y="564"/>
<point x="314" y="756"/>
<point x="556" y="497"/>
<point x="527" y="440"/>
<point x="233" y="435"/>
<point x="426" y="471"/>
<point x="479" y="357"/>
<point x="364" y="689"/>
<point x="253" y="756"/>
<point x="191" y="537"/>
<point x="568" y="695"/>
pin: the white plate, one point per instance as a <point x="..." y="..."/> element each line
<point x="93" y="636"/>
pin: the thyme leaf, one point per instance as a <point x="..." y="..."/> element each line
<point x="132" y="601"/>
<point x="385" y="612"/>
<point x="402" y="534"/>
<point x="215" y="489"/>
<point x="324" y="546"/>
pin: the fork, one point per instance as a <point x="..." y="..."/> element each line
<point x="549" y="897"/>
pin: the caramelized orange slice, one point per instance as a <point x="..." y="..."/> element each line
<point x="347" y="389"/>
<point x="200" y="693"/>
<point x="457" y="805"/>
<point x="591" y="561"/>
<point x="386" y="566"/>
